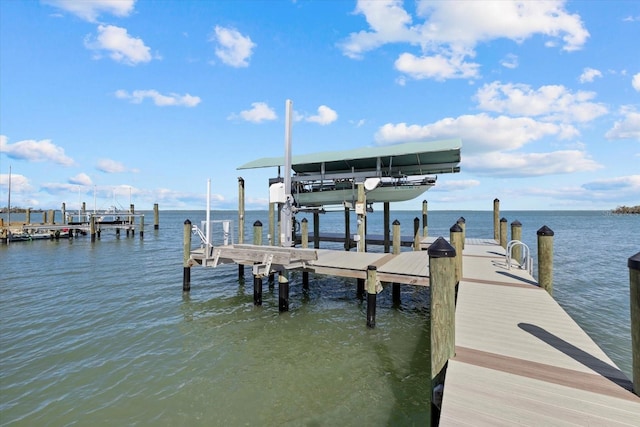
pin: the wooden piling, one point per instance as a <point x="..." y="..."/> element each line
<point x="425" y="226"/>
<point x="283" y="291"/>
<point x="304" y="233"/>
<point x="347" y="229"/>
<point x="64" y="213"/>
<point x="396" y="237"/>
<point x="257" y="290"/>
<point x="503" y="232"/>
<point x="442" y="288"/>
<point x="92" y="227"/>
<point x="257" y="233"/>
<point x="240" y="210"/>
<point x="361" y="211"/>
<point x="634" y="298"/>
<point x="132" y="212"/>
<point x="272" y="224"/>
<point x="316" y="230"/>
<point x="545" y="258"/>
<point x="516" y="234"/>
<point x="372" y="281"/>
<point x="186" y="257"/>
<point x="455" y="237"/>
<point x="142" y="227"/>
<point x="156" y="216"/>
<point x="44" y="217"/>
<point x="360" y="288"/>
<point x="52" y="216"/>
<point x="496" y="220"/>
<point x="27" y="214"/>
<point x="462" y="222"/>
<point x="387" y="230"/>
<point x="416" y="234"/>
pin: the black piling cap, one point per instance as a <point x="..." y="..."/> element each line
<point x="396" y="222"/>
<point x="516" y="223"/>
<point x="441" y="249"/>
<point x="304" y="220"/>
<point x="257" y="223"/>
<point x="187" y="221"/>
<point x="545" y="231"/>
<point x="503" y="219"/>
<point x="372" y="267"/>
<point x="496" y="200"/>
<point x="634" y="262"/>
<point x="461" y="220"/>
<point x="455" y="228"/>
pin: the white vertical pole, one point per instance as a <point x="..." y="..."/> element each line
<point x="208" y="223"/>
<point x="286" y="214"/>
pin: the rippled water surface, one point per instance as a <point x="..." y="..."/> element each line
<point x="101" y="333"/>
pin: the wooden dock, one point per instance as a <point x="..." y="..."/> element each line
<point x="520" y="359"/>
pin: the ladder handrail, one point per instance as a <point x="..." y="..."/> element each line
<point x="525" y="262"/>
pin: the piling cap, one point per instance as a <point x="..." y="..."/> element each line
<point x="396" y="222"/>
<point x="516" y="223"/>
<point x="187" y="221"/>
<point x="372" y="267"/>
<point x="455" y="228"/>
<point x="503" y="219"/>
<point x="634" y="262"/>
<point x="461" y="220"/>
<point x="304" y="220"/>
<point x="441" y="249"/>
<point x="545" y="231"/>
<point x="257" y="223"/>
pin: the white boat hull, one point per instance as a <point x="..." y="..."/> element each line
<point x="398" y="193"/>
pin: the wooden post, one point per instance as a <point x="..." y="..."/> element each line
<point x="316" y="230"/>
<point x="360" y="288"/>
<point x="396" y="237"/>
<point x="634" y="297"/>
<point x="347" y="229"/>
<point x="372" y="284"/>
<point x="361" y="210"/>
<point x="27" y="216"/>
<point x="44" y="217"/>
<point x="387" y="230"/>
<point x="304" y="231"/>
<point x="516" y="234"/>
<point x="131" y="213"/>
<point x="283" y="291"/>
<point x="52" y="216"/>
<point x="442" y="288"/>
<point x="496" y="220"/>
<point x="240" y="210"/>
<point x="463" y="224"/>
<point x="64" y="214"/>
<point x="186" y="257"/>
<point x="545" y="258"/>
<point x="257" y="233"/>
<point x="455" y="237"/>
<point x="142" y="227"/>
<point x="257" y="289"/>
<point x="503" y="232"/>
<point x="425" y="227"/>
<point x="416" y="234"/>
<point x="83" y="209"/>
<point x="272" y="224"/>
<point x="156" y="216"/>
<point x="92" y="228"/>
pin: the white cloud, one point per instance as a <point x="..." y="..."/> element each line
<point x="172" y="99"/>
<point x="121" y="46"/>
<point x="510" y="61"/>
<point x="448" y="33"/>
<point x="110" y="166"/>
<point x="233" y="48"/>
<point x="622" y="183"/>
<point x="552" y="102"/>
<point x="90" y="10"/>
<point x="259" y="112"/>
<point x="35" y="151"/>
<point x="479" y="133"/>
<point x="635" y="82"/>
<point x="589" y="74"/>
<point x="19" y="183"/>
<point x="455" y="185"/>
<point x="81" y="179"/>
<point x="530" y="164"/>
<point x="325" y="116"/>
<point x="627" y="128"/>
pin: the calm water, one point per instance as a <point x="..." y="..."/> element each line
<point x="101" y="333"/>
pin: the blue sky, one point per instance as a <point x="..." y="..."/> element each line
<point x="144" y="101"/>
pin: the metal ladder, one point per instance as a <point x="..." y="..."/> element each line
<point x="525" y="262"/>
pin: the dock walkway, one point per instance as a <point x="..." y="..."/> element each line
<point x="521" y="359"/>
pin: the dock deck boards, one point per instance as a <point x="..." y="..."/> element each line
<point x="521" y="359"/>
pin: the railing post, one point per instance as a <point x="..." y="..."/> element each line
<point x="545" y="258"/>
<point x="634" y="297"/>
<point x="186" y="256"/>
<point x="516" y="234"/>
<point x="496" y="219"/>
<point x="503" y="232"/>
<point x="442" y="288"/>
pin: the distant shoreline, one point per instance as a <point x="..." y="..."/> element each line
<point x="623" y="210"/>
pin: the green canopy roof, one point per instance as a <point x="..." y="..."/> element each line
<point x="414" y="158"/>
